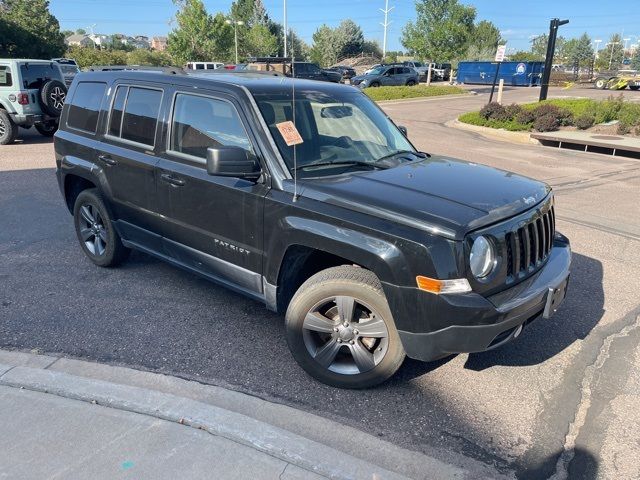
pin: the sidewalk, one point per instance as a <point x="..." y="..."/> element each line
<point x="63" y="418"/>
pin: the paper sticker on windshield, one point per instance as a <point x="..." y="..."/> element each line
<point x="289" y="133"/>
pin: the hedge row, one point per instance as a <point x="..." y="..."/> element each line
<point x="552" y="114"/>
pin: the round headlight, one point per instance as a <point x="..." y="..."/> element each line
<point x="482" y="258"/>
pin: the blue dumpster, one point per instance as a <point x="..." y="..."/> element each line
<point x="520" y="74"/>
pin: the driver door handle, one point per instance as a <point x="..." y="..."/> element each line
<point x="107" y="159"/>
<point x="178" y="182"/>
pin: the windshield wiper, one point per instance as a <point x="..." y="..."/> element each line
<point x="400" y="152"/>
<point x="348" y="163"/>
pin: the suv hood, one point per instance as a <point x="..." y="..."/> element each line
<point x="441" y="195"/>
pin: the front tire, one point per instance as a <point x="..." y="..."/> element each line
<point x="341" y="331"/>
<point x="601" y="83"/>
<point x="375" y="85"/>
<point x="411" y="83"/>
<point x="98" y="239"/>
<point x="8" y="129"/>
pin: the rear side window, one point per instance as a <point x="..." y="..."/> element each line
<point x="85" y="106"/>
<point x="134" y="114"/>
<point x="200" y="122"/>
<point x="5" y="76"/>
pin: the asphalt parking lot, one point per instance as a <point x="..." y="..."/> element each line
<point x="563" y="398"/>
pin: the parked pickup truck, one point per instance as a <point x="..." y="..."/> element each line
<point x="319" y="207"/>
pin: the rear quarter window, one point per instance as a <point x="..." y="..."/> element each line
<point x="134" y="114"/>
<point x="6" y="80"/>
<point x="84" y="107"/>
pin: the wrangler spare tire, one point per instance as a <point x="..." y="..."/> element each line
<point x="52" y="96"/>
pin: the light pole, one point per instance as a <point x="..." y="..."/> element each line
<point x="90" y="27"/>
<point x="626" y="40"/>
<point x="597" y="42"/>
<point x="235" y="24"/>
<point x="385" y="25"/>
<point x="611" y="57"/>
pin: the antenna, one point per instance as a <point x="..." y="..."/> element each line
<point x="293" y="114"/>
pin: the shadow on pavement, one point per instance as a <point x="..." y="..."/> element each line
<point x="583" y="466"/>
<point x="31" y="136"/>
<point x="544" y="338"/>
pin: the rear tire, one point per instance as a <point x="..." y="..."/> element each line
<point x="48" y="129"/>
<point x="375" y="85"/>
<point x="341" y="331"/>
<point x="8" y="129"/>
<point x="99" y="240"/>
<point x="411" y="83"/>
<point x="635" y="87"/>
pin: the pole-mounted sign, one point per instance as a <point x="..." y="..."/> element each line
<point x="502" y="49"/>
<point x="500" y="52"/>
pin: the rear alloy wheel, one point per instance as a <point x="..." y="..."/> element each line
<point x="47" y="129"/>
<point x="340" y="329"/>
<point x="98" y="239"/>
<point x="8" y="129"/>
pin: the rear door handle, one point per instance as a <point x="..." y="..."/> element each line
<point x="178" y="182"/>
<point x="107" y="159"/>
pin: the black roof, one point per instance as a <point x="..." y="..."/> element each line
<point x="255" y="82"/>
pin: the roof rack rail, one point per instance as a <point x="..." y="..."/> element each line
<point x="140" y="68"/>
<point x="221" y="71"/>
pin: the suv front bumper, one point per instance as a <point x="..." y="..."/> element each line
<point x="441" y="325"/>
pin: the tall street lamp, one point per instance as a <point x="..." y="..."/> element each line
<point x="611" y="57"/>
<point x="235" y="24"/>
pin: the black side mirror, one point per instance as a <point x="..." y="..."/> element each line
<point x="404" y="130"/>
<point x="233" y="162"/>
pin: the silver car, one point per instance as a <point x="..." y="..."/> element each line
<point x="393" y="75"/>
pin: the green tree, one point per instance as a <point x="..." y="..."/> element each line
<point x="67" y="33"/>
<point x="578" y="52"/>
<point x="476" y="52"/>
<point x="371" y="47"/>
<point x="524" y="56"/>
<point x="635" y="60"/>
<point x="610" y="57"/>
<point x="325" y="49"/>
<point x="141" y="56"/>
<point x="349" y="39"/>
<point x="87" y="57"/>
<point x="81" y="31"/>
<point x="486" y="37"/>
<point x="539" y="46"/>
<point x="260" y="42"/>
<point x="199" y="36"/>
<point x="31" y="29"/>
<point x="441" y="31"/>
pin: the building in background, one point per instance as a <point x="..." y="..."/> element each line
<point x="159" y="43"/>
<point x="78" y="40"/>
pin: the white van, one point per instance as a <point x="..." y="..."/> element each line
<point x="204" y="65"/>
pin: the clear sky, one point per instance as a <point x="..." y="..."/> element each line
<point x="517" y="19"/>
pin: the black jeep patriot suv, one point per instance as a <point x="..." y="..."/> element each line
<point x="315" y="203"/>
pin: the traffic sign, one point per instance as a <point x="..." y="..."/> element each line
<point x="502" y="49"/>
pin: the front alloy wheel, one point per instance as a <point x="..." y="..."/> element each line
<point x="345" y="336"/>
<point x="341" y="331"/>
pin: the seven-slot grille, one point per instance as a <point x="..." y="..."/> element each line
<point x="529" y="245"/>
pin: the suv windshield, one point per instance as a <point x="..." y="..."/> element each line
<point x="35" y="74"/>
<point x="337" y="128"/>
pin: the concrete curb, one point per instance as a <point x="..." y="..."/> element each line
<point x="425" y="99"/>
<point x="495" y="134"/>
<point x="274" y="441"/>
<point x="300" y="438"/>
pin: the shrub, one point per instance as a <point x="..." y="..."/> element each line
<point x="563" y="115"/>
<point x="623" y="128"/>
<point x="525" y="117"/>
<point x="636" y="131"/>
<point x="608" y="110"/>
<point x="494" y="111"/>
<point x="512" y="111"/>
<point x="584" y="121"/>
<point x="630" y="114"/>
<point x="546" y="123"/>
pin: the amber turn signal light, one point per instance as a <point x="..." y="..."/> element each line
<point x="433" y="285"/>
